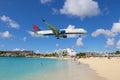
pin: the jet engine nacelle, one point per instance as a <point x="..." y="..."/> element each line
<point x="62" y="32"/>
<point x="64" y="36"/>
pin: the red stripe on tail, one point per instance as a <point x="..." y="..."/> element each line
<point x="36" y="28"/>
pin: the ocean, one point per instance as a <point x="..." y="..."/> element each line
<point x="14" y="68"/>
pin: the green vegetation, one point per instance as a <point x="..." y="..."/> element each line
<point x="2" y="52"/>
<point x="64" y="53"/>
<point x="81" y="54"/>
<point x="50" y="55"/>
<point x="117" y="52"/>
<point x="16" y="53"/>
<point x="30" y="54"/>
<point x="54" y="54"/>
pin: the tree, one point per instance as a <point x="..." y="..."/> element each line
<point x="81" y="54"/>
<point x="117" y="52"/>
<point x="64" y="53"/>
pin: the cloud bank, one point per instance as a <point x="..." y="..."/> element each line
<point x="107" y="33"/>
<point x="80" y="8"/>
<point x="10" y="22"/>
<point x="71" y="52"/>
<point x="18" y="49"/>
<point x="110" y="42"/>
<point x="111" y="34"/>
<point x="118" y="44"/>
<point x="5" y="34"/>
<point x="79" y="42"/>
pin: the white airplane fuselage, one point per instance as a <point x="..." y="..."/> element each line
<point x="62" y="31"/>
<point x="57" y="32"/>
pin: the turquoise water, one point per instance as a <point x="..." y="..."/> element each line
<point x="12" y="68"/>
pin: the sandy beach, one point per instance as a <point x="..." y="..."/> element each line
<point x="107" y="68"/>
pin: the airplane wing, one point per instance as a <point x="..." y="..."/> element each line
<point x="54" y="30"/>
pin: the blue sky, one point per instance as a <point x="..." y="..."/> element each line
<point x="101" y="19"/>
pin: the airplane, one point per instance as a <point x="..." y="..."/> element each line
<point x="58" y="33"/>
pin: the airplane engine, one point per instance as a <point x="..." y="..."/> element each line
<point x="62" y="32"/>
<point x="64" y="36"/>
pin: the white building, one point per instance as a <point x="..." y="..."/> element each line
<point x="71" y="52"/>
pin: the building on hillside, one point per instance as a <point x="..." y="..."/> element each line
<point x="17" y="53"/>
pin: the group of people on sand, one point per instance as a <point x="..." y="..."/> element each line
<point x="76" y="59"/>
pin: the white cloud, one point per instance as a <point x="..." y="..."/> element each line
<point x="5" y="34"/>
<point x="45" y="1"/>
<point x="115" y="30"/>
<point x="18" y="49"/>
<point x="71" y="52"/>
<point x="118" y="44"/>
<point x="37" y="51"/>
<point x="79" y="42"/>
<point x="110" y="42"/>
<point x="116" y="27"/>
<point x="24" y="38"/>
<point x="80" y="8"/>
<point x="55" y="11"/>
<point x="111" y="34"/>
<point x="57" y="45"/>
<point x="9" y="21"/>
<point x="104" y="32"/>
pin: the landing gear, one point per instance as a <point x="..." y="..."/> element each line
<point x="80" y="35"/>
<point x="58" y="38"/>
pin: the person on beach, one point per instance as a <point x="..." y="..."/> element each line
<point x="78" y="60"/>
<point x="41" y="64"/>
<point x="108" y="56"/>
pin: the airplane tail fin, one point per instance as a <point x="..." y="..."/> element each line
<point x="36" y="28"/>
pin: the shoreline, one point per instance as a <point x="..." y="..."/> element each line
<point x="73" y="71"/>
<point x="104" y="67"/>
<point x="107" y="68"/>
<point x="89" y="69"/>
